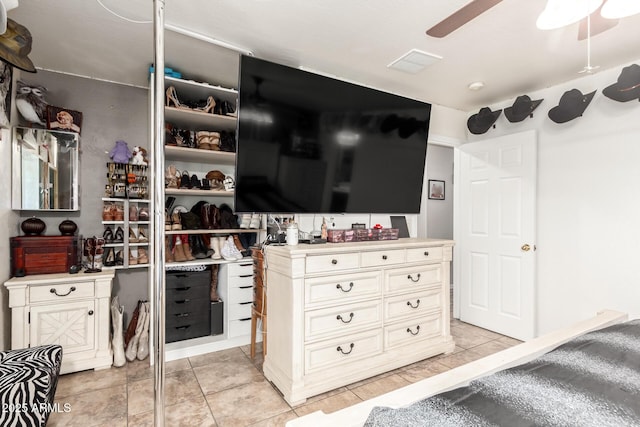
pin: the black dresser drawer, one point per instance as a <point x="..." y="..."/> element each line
<point x="180" y="279"/>
<point x="188" y="330"/>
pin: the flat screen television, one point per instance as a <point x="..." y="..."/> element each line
<point x="307" y="143"/>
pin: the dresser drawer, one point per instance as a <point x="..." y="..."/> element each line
<point x="61" y="292"/>
<point x="240" y="327"/>
<point x="381" y="258"/>
<point x="342" y="319"/>
<point x="187" y="305"/>
<point x="240" y="310"/>
<point x="240" y="281"/>
<point x="336" y="352"/>
<point x="343" y="287"/>
<point x="424" y="254"/>
<point x="331" y="263"/>
<point x="188" y="330"/>
<point x="178" y="279"/>
<point x="187" y="291"/>
<point x="413" y="304"/>
<point x="412" y="331"/>
<point x="181" y="319"/>
<point x="241" y="294"/>
<point x="241" y="269"/>
<point x="411" y="278"/>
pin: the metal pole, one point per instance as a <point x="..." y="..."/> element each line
<point x="157" y="161"/>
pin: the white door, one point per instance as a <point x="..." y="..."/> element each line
<point x="495" y="233"/>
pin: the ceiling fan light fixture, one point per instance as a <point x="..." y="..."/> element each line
<point x="615" y="9"/>
<point x="560" y="13"/>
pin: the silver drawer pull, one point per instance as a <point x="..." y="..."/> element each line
<point x="410" y="277"/>
<point x="413" y="306"/>
<point x="345" y="352"/>
<point x="54" y="291"/>
<point x="416" y="332"/>
<point x="339" y="286"/>
<point x="339" y="317"/>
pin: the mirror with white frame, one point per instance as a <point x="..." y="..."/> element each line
<point x="45" y="170"/>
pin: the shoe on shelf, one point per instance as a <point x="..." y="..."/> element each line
<point x="256" y="219"/>
<point x="186" y="247"/>
<point x="132" y="236"/>
<point x="133" y="260"/>
<point x="119" y="236"/>
<point x="108" y="235"/>
<point x="216" y="245"/>
<point x="202" y="140"/>
<point x="143" y="214"/>
<point x="119" y="212"/>
<point x="107" y="212"/>
<point x="143" y="258"/>
<point x="168" y="253"/>
<point x="178" y="250"/>
<point x="142" y="236"/>
<point x="172" y="98"/>
<point x="205" y="184"/>
<point x="119" y="258"/>
<point x="208" y="107"/>
<point x="176" y="223"/>
<point x="195" y="182"/>
<point x="167" y="221"/>
<point x="171" y="177"/>
<point x="237" y="243"/>
<point x="229" y="251"/>
<point x="185" y="180"/>
<point x="133" y="213"/>
<point x="109" y="257"/>
<point x="245" y="221"/>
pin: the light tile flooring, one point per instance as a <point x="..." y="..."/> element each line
<point x="227" y="388"/>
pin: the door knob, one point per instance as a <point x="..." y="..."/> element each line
<point x="525" y="247"/>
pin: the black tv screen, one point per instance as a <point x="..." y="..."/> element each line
<point x="307" y="143"/>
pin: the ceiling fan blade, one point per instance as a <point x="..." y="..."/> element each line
<point x="461" y="17"/>
<point x="598" y="25"/>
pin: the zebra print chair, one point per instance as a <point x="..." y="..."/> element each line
<point x="28" y="381"/>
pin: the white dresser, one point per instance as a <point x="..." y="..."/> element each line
<point x="71" y="310"/>
<point x="340" y="313"/>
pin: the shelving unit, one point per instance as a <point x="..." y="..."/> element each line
<point x="230" y="282"/>
<point x="127" y="246"/>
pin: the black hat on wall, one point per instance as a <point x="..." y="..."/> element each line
<point x="522" y="107"/>
<point x="480" y="122"/>
<point x="571" y="105"/>
<point x="627" y="87"/>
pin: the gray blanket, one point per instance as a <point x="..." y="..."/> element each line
<point x="593" y="380"/>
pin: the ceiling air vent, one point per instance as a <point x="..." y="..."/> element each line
<point x="414" y="61"/>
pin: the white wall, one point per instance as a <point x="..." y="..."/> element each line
<point x="588" y="203"/>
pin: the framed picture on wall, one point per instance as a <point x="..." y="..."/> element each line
<point x="436" y="189"/>
<point x="63" y="119"/>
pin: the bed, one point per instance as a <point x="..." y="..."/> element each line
<point x="592" y="369"/>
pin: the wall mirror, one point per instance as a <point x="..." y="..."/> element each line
<point x="44" y="170"/>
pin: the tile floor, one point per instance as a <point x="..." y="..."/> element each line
<point x="227" y="388"/>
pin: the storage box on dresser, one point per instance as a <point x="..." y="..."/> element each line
<point x="43" y="254"/>
<point x="340" y="313"/>
<point x="187" y="305"/>
<point x="71" y="310"/>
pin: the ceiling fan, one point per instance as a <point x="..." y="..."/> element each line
<point x="475" y="8"/>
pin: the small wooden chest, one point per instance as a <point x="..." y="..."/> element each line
<point x="43" y="254"/>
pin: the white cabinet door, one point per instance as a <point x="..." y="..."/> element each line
<point x="71" y="325"/>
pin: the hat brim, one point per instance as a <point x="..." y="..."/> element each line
<point x="563" y="114"/>
<point x="619" y="94"/>
<point x="478" y="127"/>
<point x="519" y="116"/>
